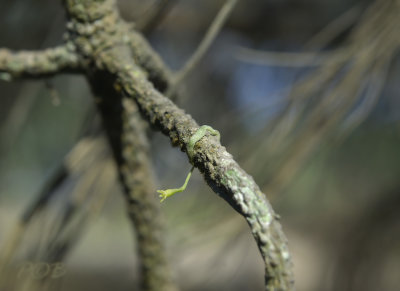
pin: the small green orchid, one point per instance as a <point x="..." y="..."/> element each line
<point x="164" y="194"/>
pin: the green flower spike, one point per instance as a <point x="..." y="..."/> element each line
<point x="164" y="194"/>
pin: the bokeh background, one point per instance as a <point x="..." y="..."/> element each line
<point x="318" y="128"/>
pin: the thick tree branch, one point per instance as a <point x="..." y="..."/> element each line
<point x="143" y="205"/>
<point x="36" y="64"/>
<point x="126" y="133"/>
<point x="220" y="170"/>
<point x="95" y="27"/>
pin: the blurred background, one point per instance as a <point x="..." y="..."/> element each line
<point x="305" y="94"/>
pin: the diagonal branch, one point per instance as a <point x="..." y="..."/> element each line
<point x="37" y="64"/>
<point x="220" y="170"/>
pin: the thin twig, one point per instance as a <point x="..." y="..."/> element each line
<point x="154" y="16"/>
<point x="36" y="64"/>
<point x="307" y="58"/>
<point x="209" y="37"/>
<point x="289" y="59"/>
<point x="333" y="29"/>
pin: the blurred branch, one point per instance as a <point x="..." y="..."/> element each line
<point x="17" y="115"/>
<point x="79" y="159"/>
<point x="333" y="29"/>
<point x="335" y="93"/>
<point x="288" y="59"/>
<point x="143" y="206"/>
<point x="36" y="64"/>
<point x="206" y="42"/>
<point x="306" y="59"/>
<point x="85" y="162"/>
<point x="154" y="16"/>
<point x="375" y="82"/>
<point x="158" y="72"/>
<point x="126" y="134"/>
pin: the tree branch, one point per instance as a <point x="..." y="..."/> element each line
<point x="143" y="206"/>
<point x="126" y="134"/>
<point x="220" y="170"/>
<point x="99" y="35"/>
<point x="37" y="64"/>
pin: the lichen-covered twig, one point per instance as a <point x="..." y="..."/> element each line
<point x="221" y="172"/>
<point x="36" y="64"/>
<point x="116" y="77"/>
